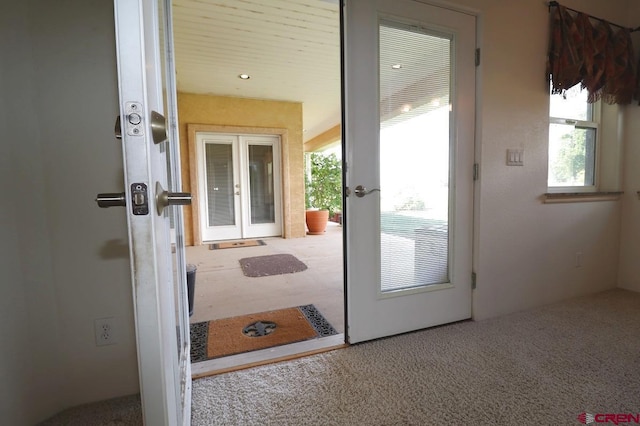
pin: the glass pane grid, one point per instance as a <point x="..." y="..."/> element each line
<point x="415" y="75"/>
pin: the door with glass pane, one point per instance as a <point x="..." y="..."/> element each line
<point x="146" y="86"/>
<point x="239" y="181"/>
<point x="409" y="135"/>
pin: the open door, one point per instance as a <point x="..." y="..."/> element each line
<point x="150" y="144"/>
<point x="409" y="135"/>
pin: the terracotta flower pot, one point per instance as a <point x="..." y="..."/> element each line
<point x="317" y="221"/>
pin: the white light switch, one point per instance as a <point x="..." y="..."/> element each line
<point x="515" y="157"/>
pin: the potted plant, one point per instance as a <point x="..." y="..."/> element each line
<point x="323" y="190"/>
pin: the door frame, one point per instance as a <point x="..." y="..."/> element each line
<point x="287" y="214"/>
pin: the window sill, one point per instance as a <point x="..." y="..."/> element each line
<point x="581" y="197"/>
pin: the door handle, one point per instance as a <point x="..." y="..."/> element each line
<point x="166" y="198"/>
<point x="361" y="191"/>
<point x="111" y="199"/>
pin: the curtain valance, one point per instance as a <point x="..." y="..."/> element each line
<point x="597" y="57"/>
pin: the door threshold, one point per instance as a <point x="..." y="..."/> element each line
<point x="267" y="356"/>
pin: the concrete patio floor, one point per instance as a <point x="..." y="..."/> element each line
<point x="222" y="290"/>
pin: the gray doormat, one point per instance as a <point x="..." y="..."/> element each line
<point x="273" y="264"/>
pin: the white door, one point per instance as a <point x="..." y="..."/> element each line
<point x="239" y="186"/>
<point x="410" y="94"/>
<point x="159" y="289"/>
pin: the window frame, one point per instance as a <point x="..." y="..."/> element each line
<point x="594" y="123"/>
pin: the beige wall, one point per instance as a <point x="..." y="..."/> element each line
<point x="525" y="250"/>
<point x="251" y="114"/>
<point x="629" y="273"/>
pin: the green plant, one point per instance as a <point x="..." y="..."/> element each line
<point x="323" y="185"/>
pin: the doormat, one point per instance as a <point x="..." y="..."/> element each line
<point x="273" y="264"/>
<point x="231" y="336"/>
<point x="236" y="244"/>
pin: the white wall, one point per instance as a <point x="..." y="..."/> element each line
<point x="629" y="275"/>
<point x="29" y="359"/>
<point x="74" y="58"/>
<point x="526" y="250"/>
<point x="64" y="261"/>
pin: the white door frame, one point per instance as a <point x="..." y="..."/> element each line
<point x="165" y="381"/>
<point x="243" y="227"/>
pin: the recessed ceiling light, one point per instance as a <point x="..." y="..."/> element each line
<point x="396" y="66"/>
<point x="244" y="76"/>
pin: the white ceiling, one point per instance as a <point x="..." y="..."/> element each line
<point x="290" y="48"/>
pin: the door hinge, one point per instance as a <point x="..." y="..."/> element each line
<point x="476" y="171"/>
<point x="477" y="57"/>
<point x="473" y="281"/>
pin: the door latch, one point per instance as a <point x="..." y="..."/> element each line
<point x="139" y="199"/>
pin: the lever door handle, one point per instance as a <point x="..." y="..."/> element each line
<point x="111" y="199"/>
<point x="361" y="191"/>
<point x="166" y="198"/>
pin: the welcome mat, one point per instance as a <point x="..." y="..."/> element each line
<point x="236" y="244"/>
<point x="230" y="336"/>
<point x="273" y="264"/>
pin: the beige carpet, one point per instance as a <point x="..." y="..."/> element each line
<point x="540" y="367"/>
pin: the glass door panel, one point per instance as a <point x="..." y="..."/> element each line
<point x="261" y="184"/>
<point x="415" y="69"/>
<point x="220" y="187"/>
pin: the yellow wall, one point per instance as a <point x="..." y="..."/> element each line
<point x="249" y="113"/>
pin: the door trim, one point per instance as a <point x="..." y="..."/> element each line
<point x="192" y="129"/>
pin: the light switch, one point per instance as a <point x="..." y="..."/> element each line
<point x="515" y="157"/>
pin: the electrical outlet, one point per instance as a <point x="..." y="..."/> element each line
<point x="105" y="331"/>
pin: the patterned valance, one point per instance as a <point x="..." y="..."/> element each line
<point x="600" y="59"/>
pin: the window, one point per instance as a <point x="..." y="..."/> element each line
<point x="573" y="141"/>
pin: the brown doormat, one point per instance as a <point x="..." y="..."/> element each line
<point x="236" y="244"/>
<point x="273" y="264"/>
<point x="230" y="336"/>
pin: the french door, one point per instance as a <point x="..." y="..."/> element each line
<point x="409" y="135"/>
<point x="239" y="186"/>
<point x="146" y="86"/>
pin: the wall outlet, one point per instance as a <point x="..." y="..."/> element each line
<point x="105" y="331"/>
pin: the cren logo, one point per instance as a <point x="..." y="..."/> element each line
<point x="615" y="418"/>
<point x="586" y="418"/>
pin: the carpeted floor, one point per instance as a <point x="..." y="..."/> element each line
<point x="541" y="367"/>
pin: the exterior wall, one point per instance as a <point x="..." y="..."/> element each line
<point x="250" y="113"/>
